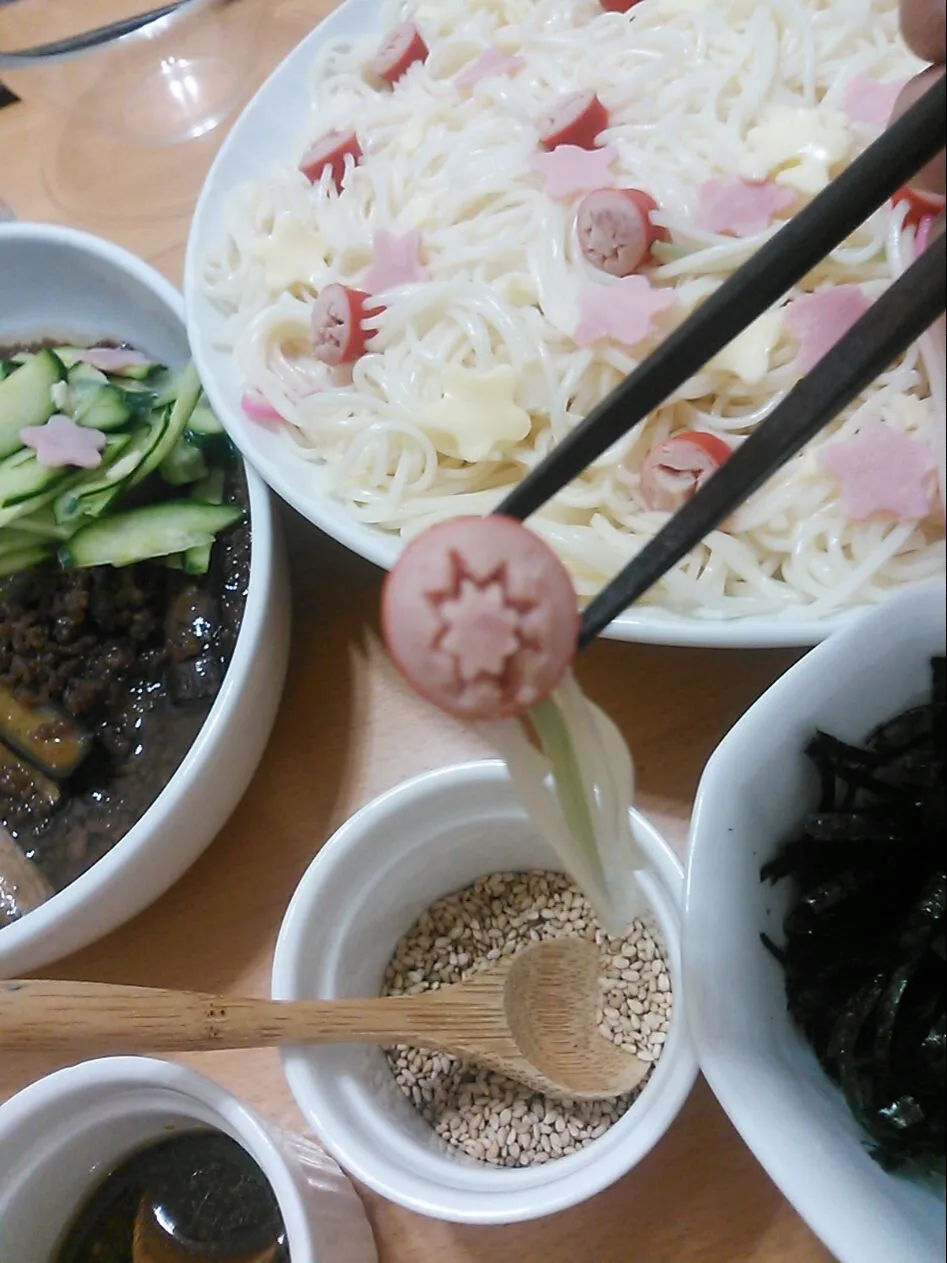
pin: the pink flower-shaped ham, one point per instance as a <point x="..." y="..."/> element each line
<point x="819" y="319"/>
<point x="491" y="62"/>
<point x="569" y="169"/>
<point x="740" y="208"/>
<point x="61" y="442"/>
<point x="396" y="261"/>
<point x="623" y="311"/>
<point x="881" y="471"/>
<point x="868" y="101"/>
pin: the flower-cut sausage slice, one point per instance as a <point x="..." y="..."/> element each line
<point x="401" y="48"/>
<point x="615" y="229"/>
<point x="480" y="617"/>
<point x="330" y="151"/>
<point x="338" y="336"/>
<point x="617" y="6"/>
<point x="576" y="119"/>
<point x="679" y="466"/>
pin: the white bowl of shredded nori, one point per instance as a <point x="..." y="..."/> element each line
<point x="814" y="933"/>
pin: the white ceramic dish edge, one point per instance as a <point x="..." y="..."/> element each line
<point x="247" y="153"/>
<point x="61" y="1134"/>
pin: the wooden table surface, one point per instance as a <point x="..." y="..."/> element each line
<point x="347" y="730"/>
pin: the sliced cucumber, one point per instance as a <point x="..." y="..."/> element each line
<point x="156" y="530"/>
<point x="202" y="422"/>
<point x="25" y="399"/>
<point x="41" y="525"/>
<point x="102" y="408"/>
<point x="79" y="371"/>
<point x="211" y="491"/>
<point x="26" y="508"/>
<point x="183" y="464"/>
<point x="22" y="559"/>
<point x="13" y="540"/>
<point x="90" y="496"/>
<point x="189" y="390"/>
<point x="70" y="356"/>
<point x="7" y="368"/>
<point x="137" y="372"/>
<point x="22" y="477"/>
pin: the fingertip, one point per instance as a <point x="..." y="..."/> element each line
<point x="923" y="27"/>
<point x="932" y="177"/>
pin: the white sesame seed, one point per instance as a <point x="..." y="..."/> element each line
<point x="486" y="1116"/>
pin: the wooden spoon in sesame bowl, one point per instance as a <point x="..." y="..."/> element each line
<point x="533" y="1017"/>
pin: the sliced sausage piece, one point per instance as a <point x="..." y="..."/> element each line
<point x="480" y="617"/>
<point x="338" y="336"/>
<point x="615" y="229"/>
<point x="679" y="466"/>
<point x="617" y="6"/>
<point x="330" y="151"/>
<point x="576" y="119"/>
<point x="401" y="48"/>
<point x="920" y="203"/>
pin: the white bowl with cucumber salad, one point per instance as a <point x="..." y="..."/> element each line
<point x="124" y="516"/>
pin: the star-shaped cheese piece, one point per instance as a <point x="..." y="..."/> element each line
<point x="396" y="261"/>
<point x="867" y="101"/>
<point x="292" y="254"/>
<point x="748" y="355"/>
<point x="569" y="169"/>
<point x="881" y="471"/>
<point x="490" y="62"/>
<point x="623" y="311"/>
<point x="819" y="319"/>
<point x="476" y="412"/>
<point x="796" y="146"/>
<point x="480" y="629"/>
<point x="61" y="442"/>
<point x="740" y="208"/>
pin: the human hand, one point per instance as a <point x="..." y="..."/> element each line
<point x="924" y="27"/>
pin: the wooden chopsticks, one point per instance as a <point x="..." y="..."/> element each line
<point x="887" y="329"/>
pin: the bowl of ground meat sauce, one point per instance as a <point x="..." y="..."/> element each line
<point x="143" y="604"/>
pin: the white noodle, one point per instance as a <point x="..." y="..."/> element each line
<point x="684" y="82"/>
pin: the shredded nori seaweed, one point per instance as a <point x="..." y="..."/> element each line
<point x="864" y="955"/>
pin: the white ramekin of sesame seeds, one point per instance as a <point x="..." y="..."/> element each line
<point x="423" y="886"/>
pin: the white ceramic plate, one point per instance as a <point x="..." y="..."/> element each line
<point x="270" y="125"/>
<point x="753" y="794"/>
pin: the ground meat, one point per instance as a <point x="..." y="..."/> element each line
<point x="74" y="638"/>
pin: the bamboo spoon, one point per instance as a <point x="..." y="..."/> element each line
<point x="533" y="1017"/>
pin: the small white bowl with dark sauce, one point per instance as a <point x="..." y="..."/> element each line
<point x="135" y="1146"/>
<point x="159" y="677"/>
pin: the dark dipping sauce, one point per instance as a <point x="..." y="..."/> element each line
<point x="195" y="1196"/>
<point x="131" y="658"/>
